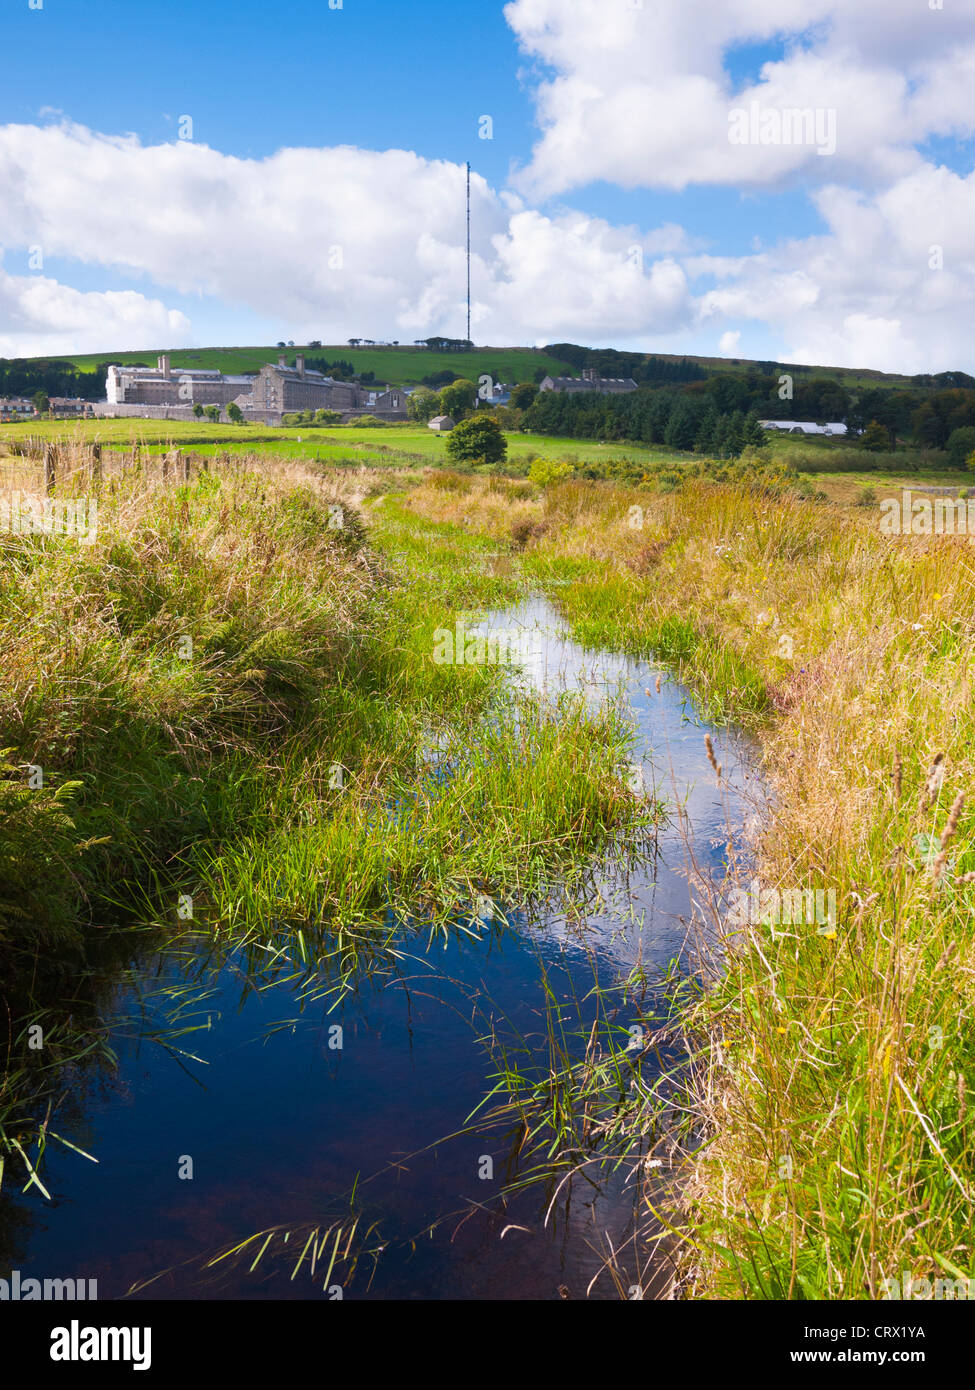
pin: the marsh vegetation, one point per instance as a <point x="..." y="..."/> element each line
<point x="332" y="801"/>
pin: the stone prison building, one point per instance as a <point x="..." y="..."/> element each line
<point x="164" y="392"/>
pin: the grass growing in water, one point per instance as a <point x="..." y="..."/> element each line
<point x="189" y="685"/>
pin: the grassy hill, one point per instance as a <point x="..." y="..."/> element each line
<point x="851" y="377"/>
<point x="406" y="366"/>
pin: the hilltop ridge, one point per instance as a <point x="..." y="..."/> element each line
<point x="408" y="365"/>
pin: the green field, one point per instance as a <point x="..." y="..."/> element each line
<point x="838" y="470"/>
<point x="386" y="444"/>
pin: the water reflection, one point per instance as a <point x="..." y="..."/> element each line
<point x="346" y="1121"/>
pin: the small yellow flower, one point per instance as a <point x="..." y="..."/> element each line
<point x="830" y="935"/>
<point x="780" y="1030"/>
<point x="937" y="598"/>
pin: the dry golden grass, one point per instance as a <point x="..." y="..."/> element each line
<point x="99" y="687"/>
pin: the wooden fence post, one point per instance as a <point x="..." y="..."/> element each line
<point x="49" y="476"/>
<point x="96" y="464"/>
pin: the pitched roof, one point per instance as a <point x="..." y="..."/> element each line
<point x="305" y="375"/>
<point x="592" y="381"/>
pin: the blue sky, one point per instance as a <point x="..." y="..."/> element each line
<point x="377" y="73"/>
<point x="598" y="113"/>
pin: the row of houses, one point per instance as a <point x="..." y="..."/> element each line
<point x="263" y="397"/>
<point x="21" y="407"/>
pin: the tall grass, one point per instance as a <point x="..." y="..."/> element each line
<point x="232" y="706"/>
<point x="153" y="668"/>
<point x="834" y="1071"/>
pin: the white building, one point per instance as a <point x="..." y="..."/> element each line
<point x="161" y="385"/>
<point x="804" y="426"/>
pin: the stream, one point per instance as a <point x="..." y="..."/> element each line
<point x="284" y="1129"/>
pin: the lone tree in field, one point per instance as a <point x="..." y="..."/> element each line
<point x="477" y="440"/>
<point x="234" y="413"/>
<point x="40" y="402"/>
<point x="198" y="411"/>
<point x="212" y="412"/>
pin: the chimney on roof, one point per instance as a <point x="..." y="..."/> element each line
<point x="589" y="373"/>
<point x="282" y="362"/>
<point x="300" y="363"/>
<point x="163" y="364"/>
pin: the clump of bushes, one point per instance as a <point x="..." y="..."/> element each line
<point x="312" y="417"/>
<point x="823" y="460"/>
<point x="524" y="530"/>
<point x="512" y="488"/>
<point x="756" y="472"/>
<point x="447" y="480"/>
<point x="547" y="472"/>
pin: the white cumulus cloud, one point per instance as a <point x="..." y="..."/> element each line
<point x="41" y="317"/>
<point x="890" y="284"/>
<point x="640" y="94"/>
<point x="333" y="242"/>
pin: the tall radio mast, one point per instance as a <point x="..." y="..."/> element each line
<point x="468" y="251"/>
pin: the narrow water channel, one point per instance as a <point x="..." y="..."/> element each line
<point x="285" y="1130"/>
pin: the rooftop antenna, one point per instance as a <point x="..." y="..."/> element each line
<point x="468" y="251"/>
